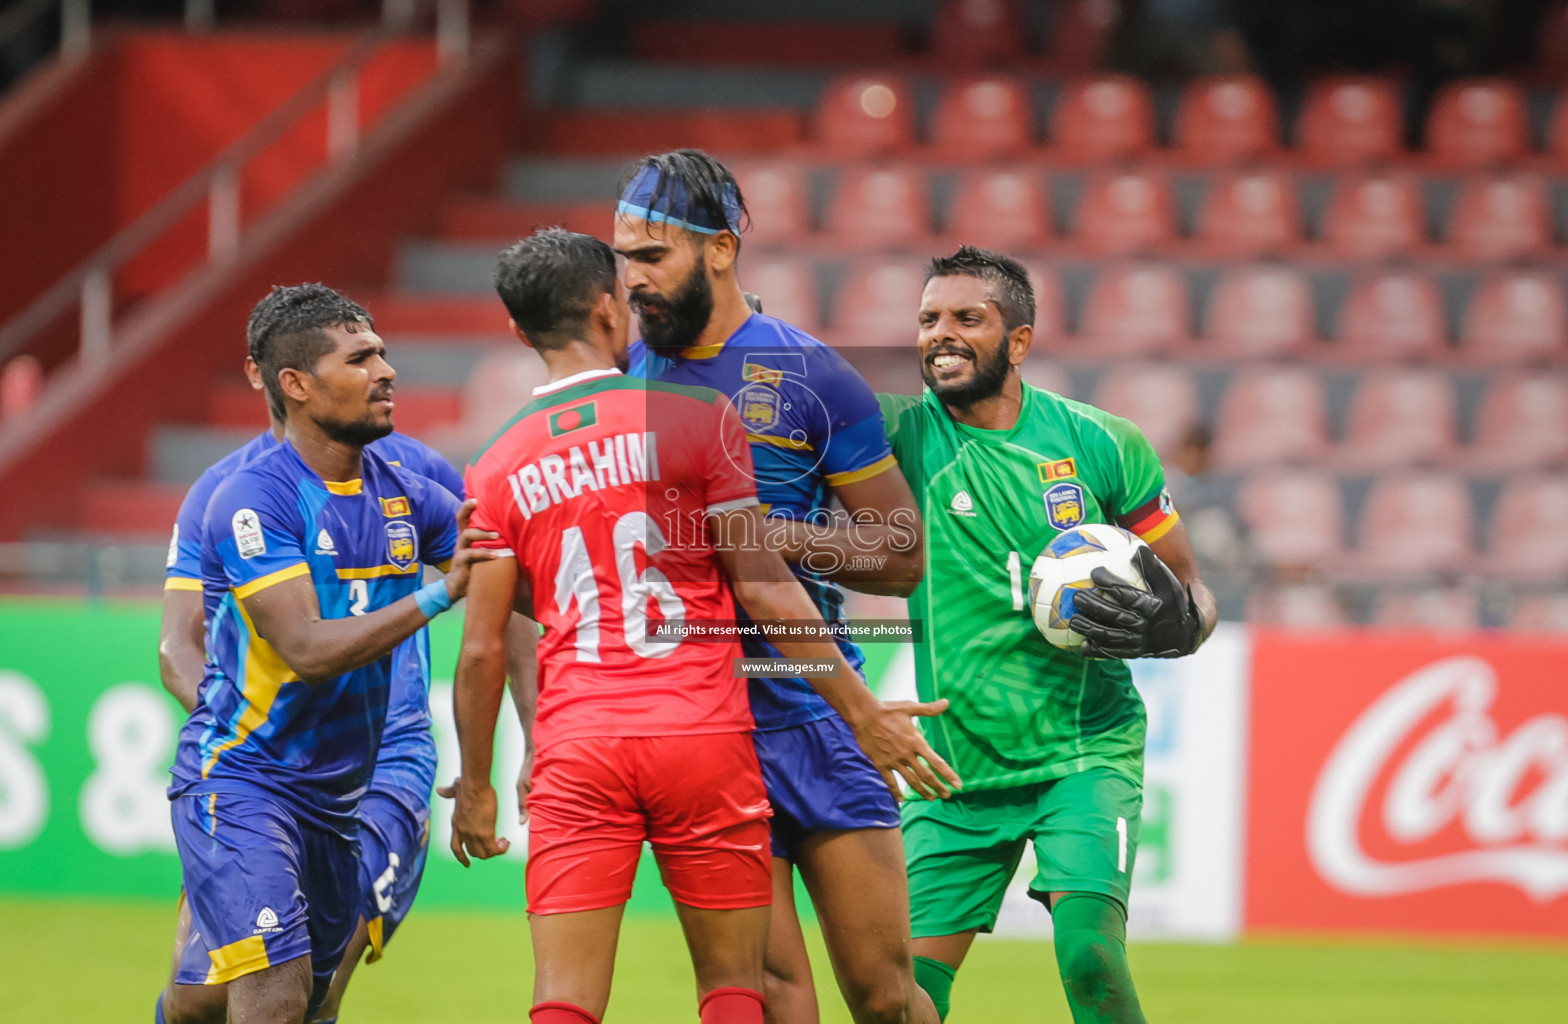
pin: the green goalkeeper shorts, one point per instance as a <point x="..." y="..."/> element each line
<point x="963" y="852"/>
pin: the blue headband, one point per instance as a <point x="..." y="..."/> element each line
<point x="675" y="206"/>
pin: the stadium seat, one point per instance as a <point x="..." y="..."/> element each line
<point x="1501" y="218"/>
<point x="1523" y="421"/>
<point x="1297" y="606"/>
<point x="866" y="115"/>
<point x="1105" y="117"/>
<point x="1516" y="316"/>
<point x="1050" y="311"/>
<point x="1445" y="609"/>
<point x="1349" y="120"/>
<point x="779" y="200"/>
<point x="1271" y="414"/>
<point x="1045" y="373"/>
<point x="1478" y="122"/>
<point x="1526" y="538"/>
<point x="1393" y="315"/>
<point x="1226" y="119"/>
<point x="1416" y="523"/>
<point x="1295" y="518"/>
<point x="879" y="303"/>
<point x="1137" y="309"/>
<point x="978" y="31"/>
<point x="1161" y="398"/>
<point x="1400" y="417"/>
<point x="1126" y="213"/>
<point x="1000" y="210"/>
<point x="787" y="288"/>
<point x="1373" y="216"/>
<point x="983" y="119"/>
<point x="1260" y="311"/>
<point x="1540" y="613"/>
<point x="879" y="207"/>
<point x="1250" y="214"/>
<point x="1080" y="31"/>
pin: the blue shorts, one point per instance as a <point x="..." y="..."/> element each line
<point x="819" y="781"/>
<point x="263" y="887"/>
<point x="393" y="840"/>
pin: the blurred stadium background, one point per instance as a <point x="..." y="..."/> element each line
<point x="1315" y="249"/>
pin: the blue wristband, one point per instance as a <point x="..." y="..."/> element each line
<point x="433" y="599"/>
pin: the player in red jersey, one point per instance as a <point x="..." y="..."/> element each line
<point x="628" y="506"/>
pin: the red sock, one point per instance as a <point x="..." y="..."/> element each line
<point x="563" y="1013"/>
<point x="732" y="1005"/>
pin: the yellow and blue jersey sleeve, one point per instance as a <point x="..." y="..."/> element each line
<point x="255" y="535"/>
<point x="182" y="571"/>
<point x="855" y="446"/>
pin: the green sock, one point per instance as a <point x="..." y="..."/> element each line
<point x="937" y="979"/>
<point x="1091" y="955"/>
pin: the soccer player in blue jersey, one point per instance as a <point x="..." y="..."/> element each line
<point x="816" y="435"/>
<point x="311" y="579"/>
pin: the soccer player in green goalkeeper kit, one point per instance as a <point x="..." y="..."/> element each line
<point x="1049" y="742"/>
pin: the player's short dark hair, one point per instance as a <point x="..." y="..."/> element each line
<point x="1007" y="277"/>
<point x="288" y="331"/>
<point x="550" y="281"/>
<point x="694" y="177"/>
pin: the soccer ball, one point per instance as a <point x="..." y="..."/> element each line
<point x="1063" y="568"/>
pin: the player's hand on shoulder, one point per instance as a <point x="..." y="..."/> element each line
<point x="473" y="820"/>
<point x="888" y="736"/>
<point x="1120" y="621"/>
<point x="465" y="556"/>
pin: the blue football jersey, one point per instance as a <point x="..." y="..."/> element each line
<point x="813" y="423"/>
<point x="362" y="544"/>
<point x="406" y="764"/>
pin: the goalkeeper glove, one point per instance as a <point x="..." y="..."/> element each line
<point x="1121" y="621"/>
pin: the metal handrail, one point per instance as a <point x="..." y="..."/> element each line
<point x="91" y="284"/>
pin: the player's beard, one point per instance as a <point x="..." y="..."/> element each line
<point x="672" y="324"/>
<point x="986" y="382"/>
<point x="360" y="432"/>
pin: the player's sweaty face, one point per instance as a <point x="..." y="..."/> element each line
<point x="666" y="280"/>
<point x="963" y="342"/>
<point x="352" y="402"/>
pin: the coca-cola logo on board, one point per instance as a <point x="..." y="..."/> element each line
<point x="1427" y="763"/>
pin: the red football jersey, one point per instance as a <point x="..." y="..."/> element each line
<point x="601" y="487"/>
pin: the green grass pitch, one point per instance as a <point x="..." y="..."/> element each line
<point x="101" y="961"/>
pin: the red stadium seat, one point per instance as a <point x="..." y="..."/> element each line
<point x="1373" y="216"/>
<point x="1445" y="609"/>
<point x="1400" y="417"/>
<point x="1227" y="118"/>
<point x="1523" y="421"/>
<point x="982" y="119"/>
<point x="1126" y="213"/>
<point x="1043" y="373"/>
<point x="1161" y="398"/>
<point x="1050" y="311"/>
<point x="1250" y="214"/>
<point x="1350" y="120"/>
<point x="1393" y="314"/>
<point x="1414" y="523"/>
<point x="866" y="115"/>
<point x="1540" y="613"/>
<point x="1298" y="606"/>
<point x="1295" y="518"/>
<point x="1106" y="117"/>
<point x="1515" y="317"/>
<point x="787" y="288"/>
<point x="978" y="31"/>
<point x="879" y="304"/>
<point x="1271" y="414"/>
<point x="1137" y="309"/>
<point x="778" y="199"/>
<point x="1500" y="218"/>
<point x="1526" y="538"/>
<point x="1080" y="31"/>
<point x="1000" y="210"/>
<point x="1259" y="312"/>
<point x="880" y="207"/>
<point x="1478" y="122"/>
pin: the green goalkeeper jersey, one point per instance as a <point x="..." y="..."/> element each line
<point x="1021" y="711"/>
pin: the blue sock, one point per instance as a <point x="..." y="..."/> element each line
<point x="157" y="1011"/>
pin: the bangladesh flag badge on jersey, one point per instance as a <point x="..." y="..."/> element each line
<point x="575" y="418"/>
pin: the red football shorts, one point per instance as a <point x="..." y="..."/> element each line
<point x="698" y="800"/>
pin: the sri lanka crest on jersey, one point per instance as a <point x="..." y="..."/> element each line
<point x="402" y="544"/>
<point x="1064" y="506"/>
<point x="759" y="406"/>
